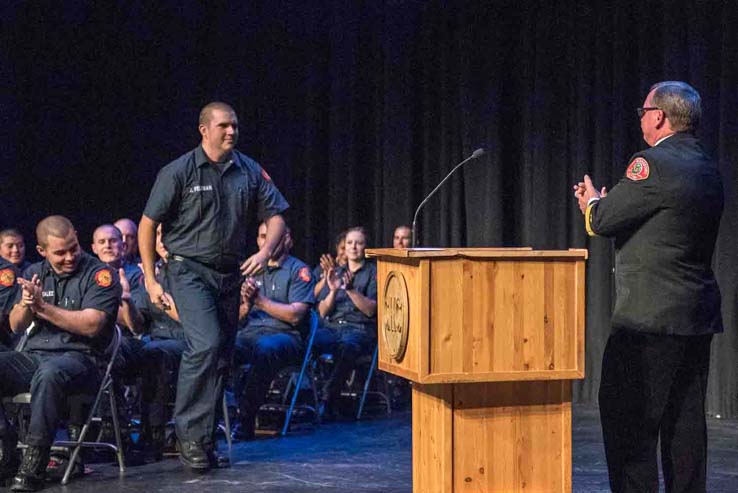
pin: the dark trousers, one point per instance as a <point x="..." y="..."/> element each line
<point x="266" y="351"/>
<point x="207" y="303"/>
<point x="159" y="358"/>
<point x="51" y="377"/>
<point x="653" y="386"/>
<point x="346" y="343"/>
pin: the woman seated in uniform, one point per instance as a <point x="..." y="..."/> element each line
<point x="347" y="305"/>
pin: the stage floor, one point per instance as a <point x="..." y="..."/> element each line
<point x="369" y="456"/>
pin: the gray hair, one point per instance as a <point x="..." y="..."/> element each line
<point x="680" y="102"/>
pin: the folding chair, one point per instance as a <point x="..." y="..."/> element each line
<point x="305" y="369"/>
<point x="283" y="395"/>
<point x="382" y="395"/>
<point x="106" y="386"/>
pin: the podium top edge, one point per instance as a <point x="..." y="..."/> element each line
<point x="487" y="252"/>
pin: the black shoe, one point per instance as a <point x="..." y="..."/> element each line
<point x="9" y="459"/>
<point x="32" y="472"/>
<point x="194" y="456"/>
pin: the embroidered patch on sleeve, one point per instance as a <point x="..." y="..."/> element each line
<point x="104" y="278"/>
<point x="304" y="274"/>
<point x="7" y="277"/>
<point x="638" y="169"/>
<point x="265" y="175"/>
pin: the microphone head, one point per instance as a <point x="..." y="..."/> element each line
<point x="479" y="152"/>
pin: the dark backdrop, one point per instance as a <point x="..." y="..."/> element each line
<point x="358" y="108"/>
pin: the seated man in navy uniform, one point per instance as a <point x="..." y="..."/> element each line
<point x="130" y="239"/>
<point x="72" y="300"/>
<point x="272" y="315"/>
<point x="160" y="355"/>
<point x="8" y="291"/>
<point x="108" y="245"/>
<point x="13" y="248"/>
<point x="348" y="310"/>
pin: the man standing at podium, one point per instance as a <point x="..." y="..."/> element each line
<point x="664" y="216"/>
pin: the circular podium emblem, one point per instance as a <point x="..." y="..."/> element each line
<point x="395" y="315"/>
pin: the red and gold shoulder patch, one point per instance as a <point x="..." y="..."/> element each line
<point x="104" y="278"/>
<point x="304" y="274"/>
<point x="7" y="277"/>
<point x="638" y="169"/>
<point x="265" y="175"/>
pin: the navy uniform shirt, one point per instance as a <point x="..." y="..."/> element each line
<point x="290" y="282"/>
<point x="664" y="215"/>
<point x="204" y="212"/>
<point x="365" y="282"/>
<point x="158" y="323"/>
<point x="8" y="291"/>
<point x="92" y="285"/>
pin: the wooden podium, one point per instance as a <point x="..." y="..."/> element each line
<point x="491" y="338"/>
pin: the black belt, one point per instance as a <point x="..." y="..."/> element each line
<point x="222" y="268"/>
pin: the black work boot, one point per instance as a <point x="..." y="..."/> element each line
<point x="194" y="456"/>
<point x="8" y="457"/>
<point x="32" y="471"/>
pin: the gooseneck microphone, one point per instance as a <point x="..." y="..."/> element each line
<point x="479" y="152"/>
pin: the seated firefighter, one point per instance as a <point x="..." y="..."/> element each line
<point x="273" y="318"/>
<point x="72" y="300"/>
<point x="348" y="306"/>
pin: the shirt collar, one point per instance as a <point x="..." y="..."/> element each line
<point x="663" y="139"/>
<point x="201" y="159"/>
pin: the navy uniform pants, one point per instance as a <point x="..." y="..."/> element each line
<point x="207" y="303"/>
<point x="653" y="386"/>
<point x="160" y="358"/>
<point x="346" y="343"/>
<point x="266" y="350"/>
<point x="50" y="377"/>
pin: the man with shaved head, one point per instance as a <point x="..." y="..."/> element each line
<point x="72" y="300"/>
<point x="204" y="201"/>
<point x="129" y="230"/>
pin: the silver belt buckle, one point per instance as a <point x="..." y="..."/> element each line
<point x="177" y="258"/>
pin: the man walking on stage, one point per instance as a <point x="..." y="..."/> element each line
<point x="664" y="216"/>
<point x="204" y="200"/>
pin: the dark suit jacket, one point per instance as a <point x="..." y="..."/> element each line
<point x="664" y="216"/>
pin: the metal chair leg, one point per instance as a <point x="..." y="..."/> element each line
<point x="367" y="381"/>
<point x="227" y="425"/>
<point x="116" y="429"/>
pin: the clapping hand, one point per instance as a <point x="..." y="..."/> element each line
<point x="585" y="190"/>
<point x="348" y="280"/>
<point x="327" y="262"/>
<point x="333" y="279"/>
<point x="31" y="292"/>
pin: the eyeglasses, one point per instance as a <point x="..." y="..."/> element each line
<point x="642" y="110"/>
